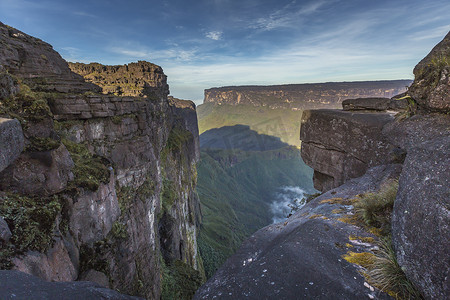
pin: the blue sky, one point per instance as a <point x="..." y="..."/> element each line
<point x="208" y="43"/>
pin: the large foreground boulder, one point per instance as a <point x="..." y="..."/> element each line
<point x="421" y="217"/>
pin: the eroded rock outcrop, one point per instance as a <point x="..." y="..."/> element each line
<point x="106" y="183"/>
<point x="340" y="145"/>
<point x="432" y="79"/>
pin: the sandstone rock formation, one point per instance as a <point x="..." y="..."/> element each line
<point x="421" y="217"/>
<point x="340" y="145"/>
<point x="106" y="183"/>
<point x="304" y="96"/>
<point x="432" y="79"/>
<point x="37" y="63"/>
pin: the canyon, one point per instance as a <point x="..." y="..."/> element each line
<point x="100" y="194"/>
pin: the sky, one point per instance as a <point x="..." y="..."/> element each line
<point x="210" y="43"/>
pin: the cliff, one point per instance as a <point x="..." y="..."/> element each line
<point x="304" y="96"/>
<point x="104" y="189"/>
<point x="382" y="221"/>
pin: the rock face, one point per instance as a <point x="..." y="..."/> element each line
<point x="106" y="182"/>
<point x="304" y="96"/>
<point x="18" y="285"/>
<point x="421" y="218"/>
<point x="11" y="141"/>
<point x="37" y="63"/>
<point x="432" y="79"/>
<point x="39" y="173"/>
<point x="340" y="145"/>
<point x="302" y="258"/>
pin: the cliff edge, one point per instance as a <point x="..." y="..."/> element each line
<point x="94" y="185"/>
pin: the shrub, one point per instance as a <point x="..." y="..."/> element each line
<point x="90" y="170"/>
<point x="31" y="220"/>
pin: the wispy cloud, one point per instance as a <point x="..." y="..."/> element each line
<point x="431" y="33"/>
<point x="149" y="54"/>
<point x="214" y="35"/>
<point x="286" y="17"/>
<point x="84" y="14"/>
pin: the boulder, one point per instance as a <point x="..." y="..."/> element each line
<point x="95" y="276"/>
<point x="340" y="145"/>
<point x="39" y="173"/>
<point x="302" y="257"/>
<point x="421" y="217"/>
<point x="18" y="285"/>
<point x="55" y="265"/>
<point x="5" y="233"/>
<point x="432" y="79"/>
<point x="11" y="141"/>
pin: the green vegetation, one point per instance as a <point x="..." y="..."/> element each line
<point x="177" y="139"/>
<point x="90" y="170"/>
<point x="168" y="194"/>
<point x="411" y="109"/>
<point x="119" y="231"/>
<point x="235" y="190"/>
<point x="375" y="209"/>
<point x="42" y="144"/>
<point x="178" y="280"/>
<point x="31" y="221"/>
<point x="27" y="106"/>
<point x="280" y="122"/>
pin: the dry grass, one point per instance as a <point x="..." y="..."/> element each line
<point x="386" y="274"/>
<point x="375" y="209"/>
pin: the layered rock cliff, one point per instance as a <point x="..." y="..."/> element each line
<point x="104" y="189"/>
<point x="304" y="96"/>
<point x="382" y="221"/>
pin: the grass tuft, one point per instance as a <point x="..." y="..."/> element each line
<point x="386" y="274"/>
<point x="375" y="209"/>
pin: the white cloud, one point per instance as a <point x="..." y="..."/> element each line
<point x="214" y="35"/>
